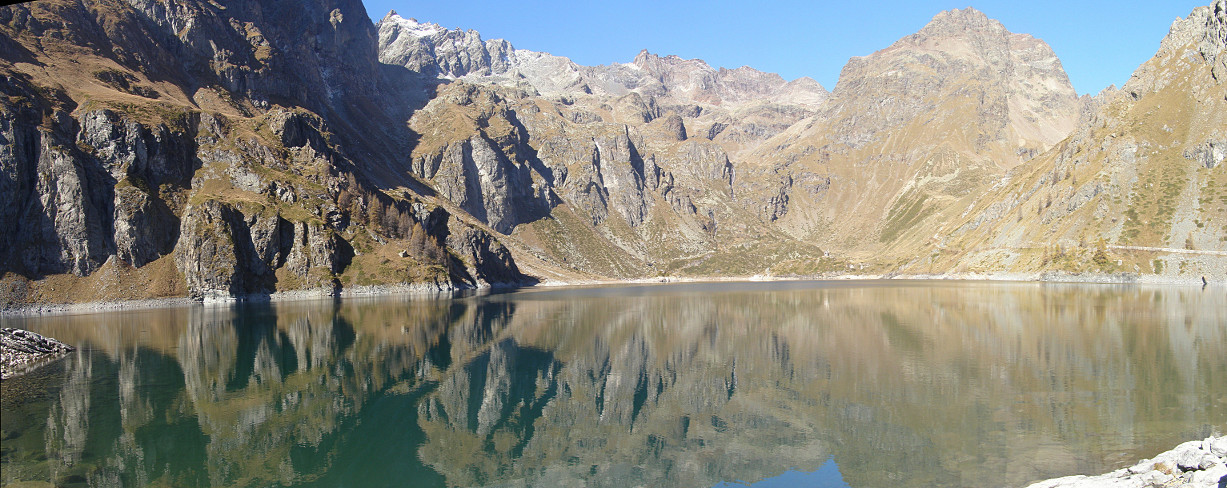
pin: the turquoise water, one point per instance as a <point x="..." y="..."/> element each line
<point x="859" y="384"/>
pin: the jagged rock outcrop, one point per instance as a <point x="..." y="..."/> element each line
<point x="145" y="227"/>
<point x="675" y="127"/>
<point x="437" y="52"/>
<point x="489" y="174"/>
<point x="90" y="189"/>
<point x="485" y="259"/>
<point x="21" y="351"/>
<point x="224" y="251"/>
<point x="1199" y="38"/>
<point x="210" y="253"/>
<point x="1209" y="154"/>
<point x="256" y="49"/>
<point x="619" y="168"/>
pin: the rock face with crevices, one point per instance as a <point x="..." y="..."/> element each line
<point x="21" y="351"/>
<point x="201" y="149"/>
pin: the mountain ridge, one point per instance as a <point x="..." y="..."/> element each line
<point x="451" y="54"/>
<point x="197" y="149"/>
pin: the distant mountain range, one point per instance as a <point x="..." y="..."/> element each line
<point x="233" y="149"/>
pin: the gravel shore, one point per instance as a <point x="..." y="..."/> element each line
<point x="432" y="289"/>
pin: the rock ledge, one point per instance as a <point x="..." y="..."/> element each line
<point x="21" y="351"/>
<point x="1194" y="464"/>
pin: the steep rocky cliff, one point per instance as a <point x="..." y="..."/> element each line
<point x="204" y="148"/>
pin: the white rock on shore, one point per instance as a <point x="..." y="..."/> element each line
<point x="1195" y="464"/>
<point x="21" y="351"/>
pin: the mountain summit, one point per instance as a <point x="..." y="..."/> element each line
<point x="914" y="126"/>
<point x="1023" y="98"/>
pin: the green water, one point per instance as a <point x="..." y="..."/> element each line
<point x="861" y="384"/>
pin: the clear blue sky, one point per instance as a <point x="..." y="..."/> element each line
<point x="1099" y="42"/>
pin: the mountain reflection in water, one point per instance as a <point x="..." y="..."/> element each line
<point x="886" y="384"/>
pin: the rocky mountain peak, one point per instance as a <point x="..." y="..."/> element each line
<point x="437" y="53"/>
<point x="434" y="51"/>
<point x="961" y="50"/>
<point x="961" y="22"/>
<point x="967" y="33"/>
<point x="927" y="117"/>
<point x="641" y="57"/>
<point x="656" y="63"/>
<point x="411" y="25"/>
<point x="804" y="91"/>
<point x="671" y="65"/>
<point x="694" y="79"/>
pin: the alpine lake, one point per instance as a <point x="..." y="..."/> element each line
<point x="836" y="383"/>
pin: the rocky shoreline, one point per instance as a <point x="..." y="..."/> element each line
<point x="365" y="291"/>
<point x="22" y="351"/>
<point x="1193" y="464"/>
<point x="424" y="289"/>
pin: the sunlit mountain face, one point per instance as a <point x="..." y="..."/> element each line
<point x="206" y="151"/>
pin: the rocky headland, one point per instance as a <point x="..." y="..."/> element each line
<point x="22" y="351"/>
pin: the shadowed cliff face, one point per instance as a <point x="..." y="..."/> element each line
<point x="214" y="150"/>
<point x="667" y="385"/>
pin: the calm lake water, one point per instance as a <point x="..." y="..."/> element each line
<point x="862" y="384"/>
